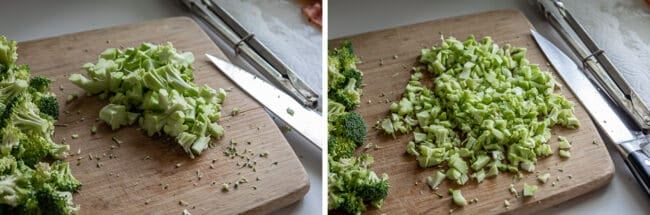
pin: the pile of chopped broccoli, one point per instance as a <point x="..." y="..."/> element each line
<point x="152" y="85"/>
<point x="28" y="185"/>
<point x="351" y="184"/>
<point x="489" y="110"/>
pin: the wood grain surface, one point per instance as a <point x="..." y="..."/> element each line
<point x="385" y="76"/>
<point x="152" y="175"/>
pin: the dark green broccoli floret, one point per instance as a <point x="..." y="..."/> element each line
<point x="40" y="84"/>
<point x="49" y="106"/>
<point x="350" y="125"/>
<point x="34" y="148"/>
<point x="352" y="204"/>
<point x="9" y="90"/>
<point x="52" y="201"/>
<point x="353" y="74"/>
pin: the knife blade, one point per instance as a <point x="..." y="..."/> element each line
<point x="306" y="122"/>
<point x="629" y="143"/>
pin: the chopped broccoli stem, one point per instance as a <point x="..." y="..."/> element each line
<point x="457" y="197"/>
<point x="564" y="143"/>
<point x="565" y="154"/>
<point x="436" y="180"/>
<point x="529" y="190"/>
<point x="543" y="178"/>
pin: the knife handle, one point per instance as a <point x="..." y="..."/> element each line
<point x="639" y="163"/>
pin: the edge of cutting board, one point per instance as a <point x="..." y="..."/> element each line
<point x="258" y="204"/>
<point x="597" y="181"/>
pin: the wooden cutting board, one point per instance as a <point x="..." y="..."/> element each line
<point x="590" y="166"/>
<point x="140" y="176"/>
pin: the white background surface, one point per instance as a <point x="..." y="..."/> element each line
<point x="623" y="195"/>
<point x="278" y="23"/>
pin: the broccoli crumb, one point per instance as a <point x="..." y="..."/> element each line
<point x="93" y="130"/>
<point x="185" y="212"/>
<point x="118" y="141"/>
<point x="543" y="178"/>
<point x="290" y="111"/>
<point x="235" y="111"/>
<point x="565" y="154"/>
<point x="70" y="98"/>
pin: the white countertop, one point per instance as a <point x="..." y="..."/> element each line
<point x="279" y="24"/>
<point x="622" y="196"/>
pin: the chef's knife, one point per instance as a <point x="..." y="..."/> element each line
<point x="306" y="122"/>
<point x="632" y="145"/>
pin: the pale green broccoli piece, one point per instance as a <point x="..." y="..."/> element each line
<point x="457" y="197"/>
<point x="529" y="190"/>
<point x="117" y="116"/>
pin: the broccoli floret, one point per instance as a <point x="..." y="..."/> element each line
<point x="24" y="114"/>
<point x="335" y="79"/>
<point x="14" y="189"/>
<point x="55" y="202"/>
<point x="351" y="126"/>
<point x="334" y="108"/>
<point x="49" y="106"/>
<point x="355" y="74"/>
<point x="340" y="147"/>
<point x="62" y="177"/>
<point x="350" y="96"/>
<point x="40" y="84"/>
<point x="33" y="148"/>
<point x="8" y="55"/>
<point x="352" y="204"/>
<point x="351" y="185"/>
<point x="11" y="89"/>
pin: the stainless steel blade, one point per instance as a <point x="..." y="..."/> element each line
<point x="304" y="121"/>
<point x="600" y="110"/>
